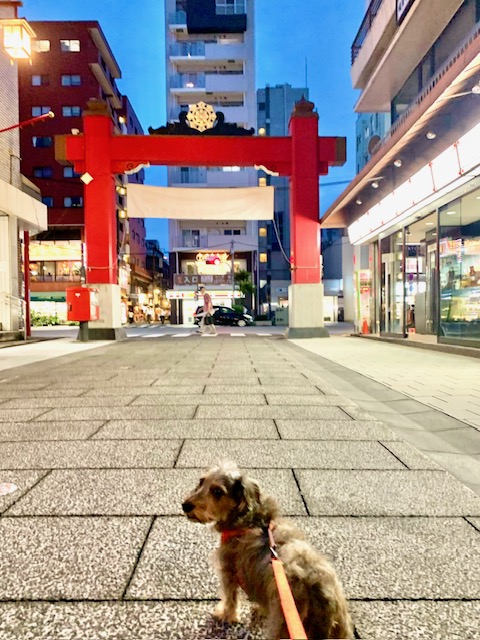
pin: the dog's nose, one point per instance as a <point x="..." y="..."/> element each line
<point x="187" y="507"/>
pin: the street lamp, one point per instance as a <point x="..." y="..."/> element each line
<point x="17" y="36"/>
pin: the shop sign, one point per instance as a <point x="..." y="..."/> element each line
<point x="48" y="250"/>
<point x="180" y="279"/>
<point x="180" y="295"/>
<point x="403" y="7"/>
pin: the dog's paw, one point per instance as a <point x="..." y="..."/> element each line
<point x="225" y="615"/>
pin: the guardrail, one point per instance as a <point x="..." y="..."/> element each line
<point x="365" y="27"/>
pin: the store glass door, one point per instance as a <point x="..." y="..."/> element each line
<point x="391" y="284"/>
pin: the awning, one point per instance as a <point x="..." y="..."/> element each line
<point x="237" y="203"/>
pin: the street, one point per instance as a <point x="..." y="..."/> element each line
<point x="103" y="440"/>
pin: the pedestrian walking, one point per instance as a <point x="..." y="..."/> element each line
<point x="206" y="323"/>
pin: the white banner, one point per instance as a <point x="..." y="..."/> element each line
<point x="242" y="203"/>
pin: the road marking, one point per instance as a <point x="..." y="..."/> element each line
<point x="182" y="335"/>
<point x="159" y="335"/>
<point x="264" y="334"/>
<point x="238" y="335"/>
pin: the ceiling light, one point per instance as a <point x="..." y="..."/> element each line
<point x="431" y="135"/>
<point x="398" y="162"/>
<point x="476" y="88"/>
<point x="451" y="213"/>
<point x="429" y="224"/>
<point x="375" y="184"/>
<point x="358" y="201"/>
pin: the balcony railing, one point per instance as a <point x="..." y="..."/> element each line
<point x="186" y="49"/>
<point x="188" y="81"/>
<point x="365" y="27"/>
<point x="177" y="17"/>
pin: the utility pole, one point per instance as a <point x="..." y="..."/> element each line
<point x="232" y="254"/>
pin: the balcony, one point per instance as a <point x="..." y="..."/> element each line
<point x="189" y="81"/>
<point x="187" y="50"/>
<point x="177" y="18"/>
<point x="389" y="52"/>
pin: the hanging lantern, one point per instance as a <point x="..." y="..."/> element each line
<point x="17" y="38"/>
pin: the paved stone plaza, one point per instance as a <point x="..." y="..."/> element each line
<point x="104" y="443"/>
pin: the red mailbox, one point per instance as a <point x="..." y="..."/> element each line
<point x="82" y="304"/>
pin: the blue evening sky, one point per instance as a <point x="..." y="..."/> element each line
<point x="288" y="33"/>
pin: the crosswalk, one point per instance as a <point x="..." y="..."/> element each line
<point x="194" y="334"/>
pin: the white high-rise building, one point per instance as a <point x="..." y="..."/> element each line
<point x="210" y="58"/>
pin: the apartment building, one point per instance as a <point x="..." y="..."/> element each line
<point x="21" y="211"/>
<point x="71" y="64"/>
<point x="274" y="108"/>
<point x="413" y="211"/>
<point x="210" y="59"/>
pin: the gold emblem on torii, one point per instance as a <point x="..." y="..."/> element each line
<point x="201" y="116"/>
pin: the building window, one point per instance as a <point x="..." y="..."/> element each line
<point x="42" y="172"/>
<point x="47" y="200"/>
<point x="69" y="172"/>
<point x="229" y="7"/>
<point x="73" y="201"/>
<point x="262" y="232"/>
<point x="237" y="232"/>
<point x="71" y="81"/>
<point x="40" y="80"/>
<point x="71" y="112"/>
<point x="190" y="237"/>
<point x="39" y="111"/>
<point x="262" y="257"/>
<point x="42" y="141"/>
<point x="41" y="46"/>
<point x="70" y="45"/>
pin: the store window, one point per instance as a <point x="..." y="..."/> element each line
<point x="459" y="250"/>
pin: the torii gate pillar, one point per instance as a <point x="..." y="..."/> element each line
<point x="305" y="294"/>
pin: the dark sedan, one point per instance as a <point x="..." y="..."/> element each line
<point x="226" y="316"/>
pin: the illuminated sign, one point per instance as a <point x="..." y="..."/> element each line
<point x="446" y="172"/>
<point x="48" y="250"/>
<point x="403" y="7"/>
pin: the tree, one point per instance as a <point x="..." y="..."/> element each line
<point x="243" y="280"/>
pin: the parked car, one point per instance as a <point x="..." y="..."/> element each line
<point x="226" y="316"/>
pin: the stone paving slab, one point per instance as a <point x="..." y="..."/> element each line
<point x="89" y="454"/>
<point x="187" y="381"/>
<point x="334" y="430"/>
<point x="177" y="562"/>
<point x="120" y="621"/>
<point x="417" y="620"/>
<point x="189" y="399"/>
<point x="384" y="493"/>
<point x="38" y="430"/>
<point x="298" y="412"/>
<point x="20" y="392"/>
<point x="406" y="558"/>
<point x="163" y="390"/>
<point x="23" y="480"/>
<point x="62" y="402"/>
<point x="278" y="454"/>
<point x="464" y="440"/>
<point x="411" y="457"/>
<point x="475" y="522"/>
<point x="191" y="429"/>
<point x="288" y="399"/>
<point x="64" y="558"/>
<point x="137" y="492"/>
<point x="19" y="415"/>
<point x="121" y="413"/>
<point x="299" y="390"/>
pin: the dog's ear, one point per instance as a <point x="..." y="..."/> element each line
<point x="250" y="492"/>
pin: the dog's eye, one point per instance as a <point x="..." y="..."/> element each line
<point x="217" y="492"/>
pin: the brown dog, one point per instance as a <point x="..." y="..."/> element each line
<point x="234" y="504"/>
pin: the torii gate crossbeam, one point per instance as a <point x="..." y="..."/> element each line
<point x="302" y="156"/>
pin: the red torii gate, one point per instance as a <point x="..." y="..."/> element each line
<point x="302" y="156"/>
